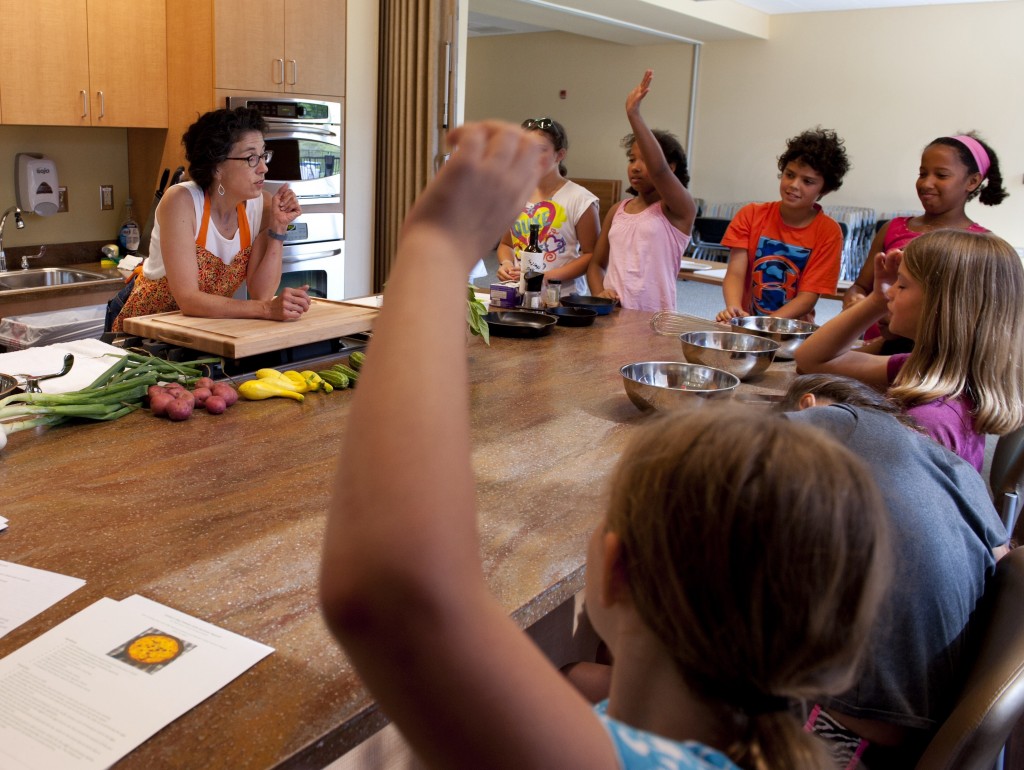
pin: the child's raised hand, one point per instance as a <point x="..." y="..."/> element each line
<point x="637" y="94"/>
<point x="886" y="268"/>
<point x="492" y="171"/>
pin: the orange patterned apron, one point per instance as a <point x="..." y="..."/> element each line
<point x="215" y="277"/>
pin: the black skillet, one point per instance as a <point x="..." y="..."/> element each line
<point x="519" y="323"/>
<point x="600" y="305"/>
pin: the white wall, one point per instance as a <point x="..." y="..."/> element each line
<point x="889" y="81"/>
<point x="362" y="23"/>
<point x="514" y="77"/>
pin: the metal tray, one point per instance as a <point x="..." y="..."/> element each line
<point x="519" y="323"/>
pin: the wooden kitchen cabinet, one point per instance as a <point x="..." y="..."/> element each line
<point x="84" y="63"/>
<point x="281" y="46"/>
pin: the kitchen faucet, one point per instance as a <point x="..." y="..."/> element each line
<point x="19" y="224"/>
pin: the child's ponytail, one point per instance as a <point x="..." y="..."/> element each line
<point x="776" y="740"/>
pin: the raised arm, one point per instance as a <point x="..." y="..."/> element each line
<point x="866" y="277"/>
<point x="680" y="208"/>
<point x="830" y="348"/>
<point x="402" y="585"/>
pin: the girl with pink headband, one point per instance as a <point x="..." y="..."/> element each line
<point x="954" y="170"/>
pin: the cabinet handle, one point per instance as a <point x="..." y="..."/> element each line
<point x="103" y="104"/>
<point x="85" y="103"/>
<point x="279" y="69"/>
<point x="295" y="72"/>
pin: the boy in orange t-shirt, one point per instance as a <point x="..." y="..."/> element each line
<point x="785" y="254"/>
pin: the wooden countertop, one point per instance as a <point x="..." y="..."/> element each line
<point x="222" y="517"/>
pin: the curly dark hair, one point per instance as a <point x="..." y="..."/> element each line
<point x="991" y="189"/>
<point x="821" y="149"/>
<point x="554" y="131"/>
<point x="208" y="141"/>
<point x="671" y="148"/>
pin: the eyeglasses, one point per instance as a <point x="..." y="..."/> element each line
<point x="254" y="160"/>
<point x="540" y="123"/>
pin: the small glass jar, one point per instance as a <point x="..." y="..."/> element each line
<point x="553" y="294"/>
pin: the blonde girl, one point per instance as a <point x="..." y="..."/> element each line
<point x="957" y="294"/>
<point x="724" y="578"/>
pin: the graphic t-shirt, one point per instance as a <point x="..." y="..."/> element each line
<point x="782" y="260"/>
<point x="558" y="240"/>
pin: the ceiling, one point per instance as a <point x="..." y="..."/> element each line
<point x="642" y="22"/>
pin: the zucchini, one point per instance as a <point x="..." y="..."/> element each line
<point x="356" y="360"/>
<point x="352" y="374"/>
<point x="335" y="379"/>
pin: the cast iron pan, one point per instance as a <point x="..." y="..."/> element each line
<point x="519" y="323"/>
<point x="573" y="316"/>
<point x="600" y="305"/>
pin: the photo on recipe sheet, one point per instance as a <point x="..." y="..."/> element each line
<point x="151" y="650"/>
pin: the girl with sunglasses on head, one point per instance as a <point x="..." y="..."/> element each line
<point x="218" y="231"/>
<point x="565" y="211"/>
<point x="954" y="170"/>
<point x="637" y="257"/>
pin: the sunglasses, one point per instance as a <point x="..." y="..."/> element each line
<point x="541" y="123"/>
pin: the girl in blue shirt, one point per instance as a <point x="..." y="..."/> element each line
<point x="725" y="577"/>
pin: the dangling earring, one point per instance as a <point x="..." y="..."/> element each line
<point x="220" y="189"/>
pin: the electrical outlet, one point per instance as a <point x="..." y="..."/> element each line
<point x="106" y="197"/>
<point x="62" y="199"/>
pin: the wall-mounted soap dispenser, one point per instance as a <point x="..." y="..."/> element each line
<point x="36" y="183"/>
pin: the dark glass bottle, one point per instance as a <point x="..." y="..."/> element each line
<point x="530" y="259"/>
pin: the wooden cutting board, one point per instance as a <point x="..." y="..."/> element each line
<point x="241" y="337"/>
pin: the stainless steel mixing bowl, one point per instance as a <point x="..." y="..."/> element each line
<point x="745" y="355"/>
<point x="789" y="333"/>
<point x="664" y="385"/>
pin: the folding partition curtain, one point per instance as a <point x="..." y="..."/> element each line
<point x="416" y="97"/>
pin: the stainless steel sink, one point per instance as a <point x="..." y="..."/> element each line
<point x="38" y="278"/>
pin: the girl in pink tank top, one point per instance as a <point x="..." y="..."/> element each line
<point x="636" y="260"/>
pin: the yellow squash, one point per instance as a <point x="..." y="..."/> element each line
<point x="267" y="387"/>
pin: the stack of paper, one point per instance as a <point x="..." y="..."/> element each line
<point x="91" y="689"/>
<point x="26" y="591"/>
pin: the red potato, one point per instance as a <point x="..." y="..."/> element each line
<point x="203" y="382"/>
<point x="225" y="391"/>
<point x="215" y="405"/>
<point x="187" y="395"/>
<point x="152" y="390"/>
<point x="179" y="409"/>
<point x="200" y="395"/>
<point x="158" y="403"/>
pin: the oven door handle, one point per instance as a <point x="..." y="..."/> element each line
<point x="314" y="255"/>
<point x="289" y="131"/>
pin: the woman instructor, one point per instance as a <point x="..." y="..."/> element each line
<point x="219" y="230"/>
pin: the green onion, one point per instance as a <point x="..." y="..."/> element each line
<point x="115" y="393"/>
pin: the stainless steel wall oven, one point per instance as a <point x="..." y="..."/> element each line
<point x="307" y="141"/>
